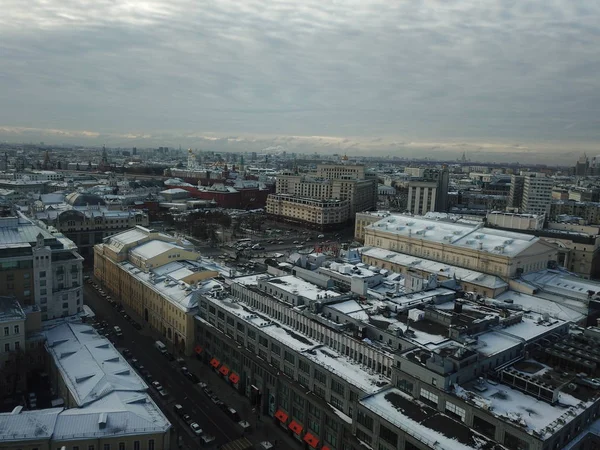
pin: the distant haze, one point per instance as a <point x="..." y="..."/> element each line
<point x="502" y="80"/>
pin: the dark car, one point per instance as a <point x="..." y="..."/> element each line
<point x="127" y="353"/>
<point x="178" y="409"/>
<point x="187" y="419"/>
<point x="169" y="356"/>
<point x="137" y="326"/>
<point x="193" y="378"/>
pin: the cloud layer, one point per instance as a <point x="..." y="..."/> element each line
<point x="428" y="71"/>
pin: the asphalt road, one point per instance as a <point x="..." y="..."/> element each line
<point x="181" y="390"/>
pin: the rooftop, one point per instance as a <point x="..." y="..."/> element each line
<point x="472" y="236"/>
<point x="153" y="248"/>
<point x="442" y="269"/>
<point x="10" y="309"/>
<point x="424" y="423"/>
<point x="89" y="363"/>
<point x="298" y="286"/>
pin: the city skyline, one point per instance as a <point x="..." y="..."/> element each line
<point x="499" y="81"/>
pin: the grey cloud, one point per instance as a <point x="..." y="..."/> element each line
<point x="402" y="71"/>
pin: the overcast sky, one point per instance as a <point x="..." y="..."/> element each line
<point x="359" y="75"/>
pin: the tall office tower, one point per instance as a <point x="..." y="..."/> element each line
<point x="429" y="192"/>
<point x="537" y="193"/>
<point x="515" y="195"/>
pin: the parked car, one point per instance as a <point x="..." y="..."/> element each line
<point x="169" y="356"/>
<point x="163" y="393"/>
<point x="207" y="439"/>
<point x="196" y="428"/>
<point x="193" y="378"/>
<point x="186" y="418"/>
<point x="178" y="409"/>
<point x="137" y="326"/>
<point x="127" y="353"/>
<point x="156" y="385"/>
<point x="181" y="362"/>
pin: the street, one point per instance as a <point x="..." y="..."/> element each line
<point x="198" y="405"/>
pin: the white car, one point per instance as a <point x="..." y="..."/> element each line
<point x="196" y="428"/>
<point x="321" y="236"/>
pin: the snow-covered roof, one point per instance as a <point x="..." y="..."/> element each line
<point x="442" y="269"/>
<point x="471" y="236"/>
<point x="89" y="363"/>
<point x="120" y="240"/>
<point x="125" y="413"/>
<point x="544" y="306"/>
<point x="153" y="248"/>
<point x="298" y="286"/>
<point x="347" y="369"/>
<point x="530" y="412"/>
<point x="562" y="284"/>
<point x="10" y="309"/>
<point x="419" y="421"/>
<point x="28" y="425"/>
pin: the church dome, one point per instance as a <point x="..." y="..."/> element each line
<point x="84" y="199"/>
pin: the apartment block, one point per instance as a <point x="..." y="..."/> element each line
<point x="39" y="268"/>
<point x="320" y="214"/>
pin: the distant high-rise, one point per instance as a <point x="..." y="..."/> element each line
<point x="515" y="195"/>
<point x="429" y="192"/>
<point x="537" y="194"/>
<point x="582" y="166"/>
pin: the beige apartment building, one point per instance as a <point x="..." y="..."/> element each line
<point x="156" y="275"/>
<point x="487" y="250"/>
<point x="335" y="181"/>
<point x="320" y="214"/>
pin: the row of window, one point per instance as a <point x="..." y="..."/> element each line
<point x="16" y="330"/>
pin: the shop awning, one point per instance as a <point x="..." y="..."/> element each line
<point x="215" y="362"/>
<point x="224" y="370"/>
<point x="311" y="440"/>
<point x="234" y="378"/>
<point x="295" y="427"/>
<point x="283" y="417"/>
<point x="325" y="448"/>
<point x="198" y="349"/>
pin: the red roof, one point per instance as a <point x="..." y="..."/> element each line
<point x="283" y="417"/>
<point x="215" y="362"/>
<point x="295" y="427"/>
<point x="234" y="378"/>
<point x="311" y="440"/>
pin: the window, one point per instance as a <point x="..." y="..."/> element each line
<point x="6" y="331"/>
<point x="429" y="397"/>
<point x="136" y="445"/>
<point x="16" y="328"/>
<point x="252" y="334"/>
<point x="304" y="366"/>
<point x="65" y="305"/>
<point x="7" y="347"/>
<point x="455" y="411"/>
<point x="313" y="410"/>
<point x="106" y="446"/>
<point x="388" y="435"/>
<point x="42" y="282"/>
<point x="337" y="387"/>
<point x="121" y="445"/>
<point x="90" y="447"/>
<point x="337" y="403"/>
<point x="17" y="345"/>
<point x="43" y="275"/>
<point x="364" y="420"/>
<point x="151" y="444"/>
<point x="289" y="357"/>
<point x="275" y="349"/>
<point x="320" y="376"/>
<point x="263" y="341"/>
